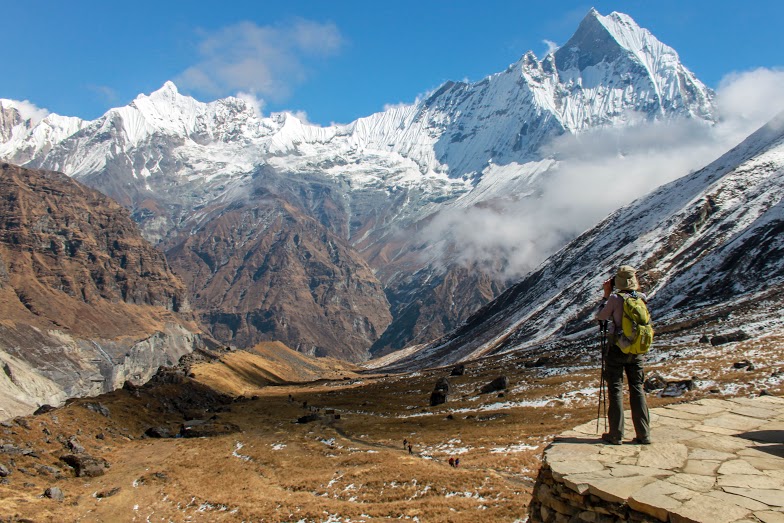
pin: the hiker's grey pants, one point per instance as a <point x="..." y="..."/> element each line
<point x="616" y="364"/>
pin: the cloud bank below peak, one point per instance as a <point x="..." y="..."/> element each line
<point x="599" y="171"/>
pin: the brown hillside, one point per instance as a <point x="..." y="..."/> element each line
<point x="85" y="302"/>
<point x="263" y="270"/>
<point x="71" y="258"/>
<point x="242" y="372"/>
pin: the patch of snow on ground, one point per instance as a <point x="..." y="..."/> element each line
<point x="511" y="449"/>
<point x="236" y="453"/>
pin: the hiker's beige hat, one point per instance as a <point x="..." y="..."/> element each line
<point x="625" y="279"/>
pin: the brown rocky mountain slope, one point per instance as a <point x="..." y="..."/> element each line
<point x="264" y="270"/>
<point x="85" y="301"/>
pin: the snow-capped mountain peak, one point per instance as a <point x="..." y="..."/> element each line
<point x="643" y="75"/>
<point x="27" y="131"/>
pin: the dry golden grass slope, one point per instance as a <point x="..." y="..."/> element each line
<point x="243" y="372"/>
<point x="351" y="469"/>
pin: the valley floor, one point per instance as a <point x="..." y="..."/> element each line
<point x="260" y="465"/>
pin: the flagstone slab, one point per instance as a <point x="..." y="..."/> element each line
<point x="673" y="412"/>
<point x="621" y="470"/>
<point x="769" y="516"/>
<point x="661" y="434"/>
<point x="618" y="490"/>
<point x="738" y="466"/>
<point x="775" y="474"/>
<point x="614" y="452"/>
<point x="707" y="509"/>
<point x="773" y="498"/>
<point x="741" y="501"/>
<point x="694" y="482"/>
<point x="716" y="402"/>
<point x="751" y="481"/>
<point x="715" y="430"/>
<point x="657" y="499"/>
<point x="734" y="422"/>
<point x="566" y="467"/>
<point x="762" y="451"/>
<point x="701" y="409"/>
<point x="754" y="412"/>
<point x="698" y="453"/>
<point x="663" y="455"/>
<point x="719" y="442"/>
<point x="587" y="428"/>
<point x="572" y="451"/>
<point x="701" y="467"/>
<point x="760" y="399"/>
<point x="667" y="421"/>
<point x="579" y="482"/>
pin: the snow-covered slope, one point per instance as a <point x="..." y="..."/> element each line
<point x="26" y="136"/>
<point x="707" y="246"/>
<point x="378" y="180"/>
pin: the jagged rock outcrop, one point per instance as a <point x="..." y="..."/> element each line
<point x="86" y="302"/>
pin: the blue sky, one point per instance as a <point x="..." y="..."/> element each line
<point x="334" y="60"/>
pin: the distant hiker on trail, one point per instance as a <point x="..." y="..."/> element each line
<point x="451" y="462"/>
<point x="405" y="443"/>
<point x="629" y="334"/>
<point x="410" y="449"/>
<point x="457" y="462"/>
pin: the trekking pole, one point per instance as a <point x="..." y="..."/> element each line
<point x="605" y="348"/>
<point x="602" y="395"/>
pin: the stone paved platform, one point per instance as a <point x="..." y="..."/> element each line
<point x="711" y="461"/>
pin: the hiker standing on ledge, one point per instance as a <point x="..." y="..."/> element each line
<point x="618" y="361"/>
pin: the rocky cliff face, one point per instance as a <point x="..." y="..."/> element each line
<point x="262" y="270"/>
<point x="86" y="302"/>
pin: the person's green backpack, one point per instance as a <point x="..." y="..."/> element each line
<point x="637" y="335"/>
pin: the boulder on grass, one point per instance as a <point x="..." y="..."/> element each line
<point x="84" y="465"/>
<point x="308" y="418"/>
<point x="438" y="397"/>
<point x="721" y="339"/>
<point x="54" y="493"/>
<point x="498" y="384"/>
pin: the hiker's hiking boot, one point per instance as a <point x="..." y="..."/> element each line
<point x="612" y="440"/>
<point x="641" y="441"/>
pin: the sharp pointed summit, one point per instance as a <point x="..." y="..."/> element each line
<point x="613" y="51"/>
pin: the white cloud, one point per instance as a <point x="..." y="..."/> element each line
<point x="600" y="171"/>
<point x="751" y="97"/>
<point x="252" y="100"/>
<point x="27" y="110"/>
<point x="268" y="61"/>
<point x="302" y="116"/>
<point x="551" y="46"/>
